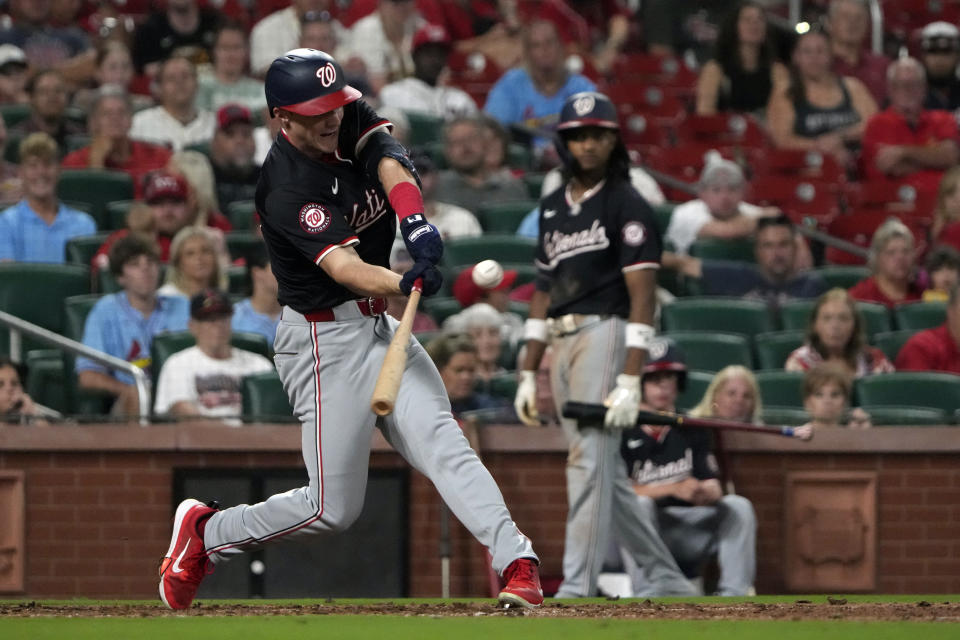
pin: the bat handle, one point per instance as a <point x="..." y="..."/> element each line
<point x="787" y="431"/>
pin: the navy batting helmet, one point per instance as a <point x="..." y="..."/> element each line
<point x="308" y="82"/>
<point x="663" y="354"/>
<point x="588" y="109"/>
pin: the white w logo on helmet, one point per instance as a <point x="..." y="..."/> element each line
<point x="327" y="74"/>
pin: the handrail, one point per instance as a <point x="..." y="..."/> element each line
<point x="19" y="325"/>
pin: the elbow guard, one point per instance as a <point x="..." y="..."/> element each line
<point x="380" y="145"/>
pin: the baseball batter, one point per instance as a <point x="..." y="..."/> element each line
<point x="597" y="258"/>
<point x="329" y="192"/>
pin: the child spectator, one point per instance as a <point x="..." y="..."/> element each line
<point x="15" y="405"/>
<point x="826" y="396"/>
<point x="943" y="273"/>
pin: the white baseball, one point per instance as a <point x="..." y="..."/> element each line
<point x="487" y="274"/>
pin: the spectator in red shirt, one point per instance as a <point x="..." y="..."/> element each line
<point x="848" y="22"/>
<point x="892" y="258"/>
<point x="906" y="141"/>
<point x="111" y="147"/>
<point x="935" y="349"/>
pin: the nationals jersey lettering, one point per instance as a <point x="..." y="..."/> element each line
<point x="674" y="456"/>
<point x="582" y="257"/>
<point x="309" y="208"/>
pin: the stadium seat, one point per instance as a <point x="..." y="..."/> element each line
<point x="737" y="249"/>
<point x="424" y="337"/>
<point x="534" y="182"/>
<point x="81" y="402"/>
<point x="910" y="389"/>
<point x="810" y="165"/>
<point x="81" y="249"/>
<point x="45" y="379"/>
<point x="664" y="212"/>
<point x="504" y="217"/>
<point x="519" y="156"/>
<point x="502" y="247"/>
<point x="35" y="292"/>
<point x="727" y="129"/>
<point x="774" y="347"/>
<point x="712" y="350"/>
<point x="264" y="399"/>
<point x="237" y="280"/>
<point x="440" y="307"/>
<point x="697" y="383"/>
<point x="885" y="416"/>
<point x="14" y="113"/>
<point x="920" y="315"/>
<point x="734" y="315"/>
<point x="843" y="276"/>
<point x="799" y="198"/>
<point x="95" y="187"/>
<point x="241" y="214"/>
<point x="116" y="216"/>
<point x="855" y="226"/>
<point x="239" y="243"/>
<point x="795" y="315"/>
<point x="424" y="127"/>
<point x="503" y="385"/>
<point x="781" y="388"/>
<point x="644" y="134"/>
<point x="168" y="343"/>
<point x="890" y="342"/>
<point x="788" y="416"/>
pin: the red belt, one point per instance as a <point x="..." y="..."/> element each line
<point x="367" y="307"/>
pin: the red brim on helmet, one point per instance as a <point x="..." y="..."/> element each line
<point x="588" y="122"/>
<point x="324" y="104"/>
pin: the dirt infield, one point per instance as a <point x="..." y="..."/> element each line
<point x="831" y="609"/>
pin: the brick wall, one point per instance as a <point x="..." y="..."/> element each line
<point x="98" y="518"/>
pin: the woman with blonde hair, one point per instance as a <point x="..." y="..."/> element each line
<point x="891" y="261"/>
<point x="835" y="336"/>
<point x="946" y="213"/>
<point x="198" y="261"/>
<point x="733" y="394"/>
<point x="198" y="172"/>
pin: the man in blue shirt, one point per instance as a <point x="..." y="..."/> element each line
<point x="123" y="324"/>
<point x="533" y="95"/>
<point x="260" y="313"/>
<point x="37" y="228"/>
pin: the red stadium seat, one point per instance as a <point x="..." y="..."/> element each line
<point x="667" y="71"/>
<point x="799" y="163"/>
<point x="797" y="197"/>
<point x="683" y="163"/>
<point x="902" y="17"/>
<point x="894" y="197"/>
<point x="859" y="226"/>
<point x="649" y="100"/>
<point x="644" y="134"/>
<point x="732" y="129"/>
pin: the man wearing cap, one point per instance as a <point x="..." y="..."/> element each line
<point x="13" y="75"/>
<point x="110" y="145"/>
<point x="205" y="380"/>
<point x="940" y="42"/>
<point x="421" y="93"/>
<point x="231" y="154"/>
<point x="175" y="122"/>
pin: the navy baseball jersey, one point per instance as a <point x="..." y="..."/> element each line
<point x="310" y="207"/>
<point x="585" y="248"/>
<point x="672" y="456"/>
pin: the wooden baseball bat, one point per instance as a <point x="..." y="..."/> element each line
<point x="591" y="415"/>
<point x="388" y="383"/>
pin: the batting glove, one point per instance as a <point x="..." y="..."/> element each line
<point x="623" y="403"/>
<point x="432" y="278"/>
<point x="525" y="402"/>
<point x="421" y="239"/>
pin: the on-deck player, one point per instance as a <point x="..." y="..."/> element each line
<point x="327" y="195"/>
<point x="597" y="257"/>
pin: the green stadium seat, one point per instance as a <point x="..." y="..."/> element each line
<point x="886" y="416"/>
<point x="503" y="385"/>
<point x="773" y="348"/>
<point x="890" y="342"/>
<point x="504" y="217"/>
<point x="96" y="187"/>
<point x="116" y="217"/>
<point x="81" y="249"/>
<point x="424" y="337"/>
<point x="241" y="214"/>
<point x="237" y="280"/>
<point x="239" y="243"/>
<point x="534" y="182"/>
<point x="663" y="213"/>
<point x="502" y="247"/>
<point x="697" y="383"/>
<point x="35" y="292"/>
<point x="440" y="307"/>
<point x="781" y="388"/>
<point x="522" y="309"/>
<point x="795" y="315"/>
<point x="842" y="276"/>
<point x="519" y="156"/>
<point x="11" y="150"/>
<point x="76" y="141"/>
<point x="789" y="416"/>
<point x="264" y="399"/>
<point x="910" y="389"/>
<point x="424" y="128"/>
<point x="45" y="380"/>
<point x="733" y="315"/>
<point x="917" y="316"/>
<point x="14" y="113"/>
<point x="168" y="343"/>
<point x="82" y="402"/>
<point x="739" y="250"/>
<point x="712" y="350"/>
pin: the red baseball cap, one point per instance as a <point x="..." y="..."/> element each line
<point x="163" y="185"/>
<point x="468" y="293"/>
<point x="431" y="34"/>
<point x="231" y="114"/>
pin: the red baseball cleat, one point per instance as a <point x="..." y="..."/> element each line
<point x="523" y="584"/>
<point x="186" y="563"/>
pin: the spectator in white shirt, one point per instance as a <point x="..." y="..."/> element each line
<point x="176" y="121"/>
<point x="226" y="81"/>
<point x="383" y="41"/>
<point x="204" y="381"/>
<point x="422" y="92"/>
<point x="279" y="32"/>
